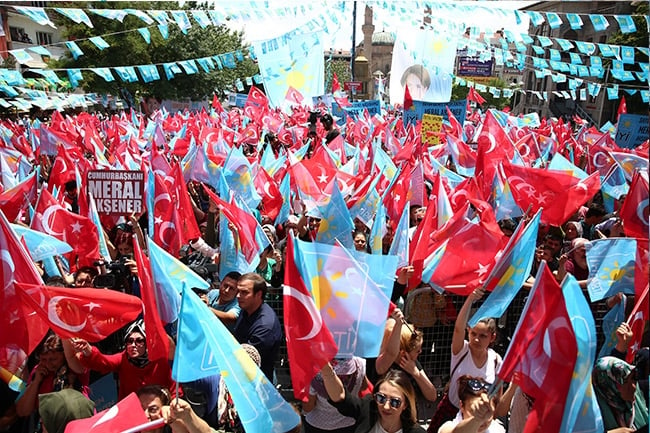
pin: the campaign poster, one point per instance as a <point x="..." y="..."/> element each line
<point x="423" y="60"/>
<point x="631" y="130"/>
<point x="117" y="192"/>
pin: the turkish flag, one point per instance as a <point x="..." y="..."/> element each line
<point x="78" y="231"/>
<point x="635" y="210"/>
<point x="543" y="351"/>
<point x="470" y="251"/>
<point x="336" y="86"/>
<point x="294" y="96"/>
<point x="637" y="320"/>
<point x="157" y="342"/>
<point x="216" y="105"/>
<point x="473" y="95"/>
<point x="244" y="222"/>
<point x="22" y="330"/>
<point x="622" y="107"/>
<point x="125" y="415"/>
<point x="310" y="344"/>
<point x="494" y="146"/>
<point x="91" y="314"/>
<point x="408" y="100"/>
<point x="256" y="98"/>
<point x="62" y="170"/>
<point x="165" y="232"/>
<point x="15" y="199"/>
<point x="185" y="220"/>
<point x="558" y="193"/>
<point x="399" y="193"/>
<point x="269" y="190"/>
<point x="599" y="160"/>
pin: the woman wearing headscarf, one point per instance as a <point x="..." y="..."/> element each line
<point x="621" y="403"/>
<point x="574" y="262"/>
<point x="133" y="366"/>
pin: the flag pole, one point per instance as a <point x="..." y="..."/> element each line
<point x="637" y="304"/>
<point x="146" y="426"/>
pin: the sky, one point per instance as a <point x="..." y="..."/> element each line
<point x="383" y="21"/>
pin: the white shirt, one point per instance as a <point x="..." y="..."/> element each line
<point x="487" y="372"/>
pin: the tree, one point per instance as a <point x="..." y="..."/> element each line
<point x="128" y="48"/>
<point x="342" y="70"/>
<point x="636" y="39"/>
<point x="459" y="92"/>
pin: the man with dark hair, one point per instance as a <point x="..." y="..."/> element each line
<point x="328" y="124"/>
<point x="223" y="301"/>
<point x="258" y="325"/>
<point x="594" y="215"/>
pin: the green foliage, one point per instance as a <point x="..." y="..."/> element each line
<point x="636" y="39"/>
<point x="342" y="70"/>
<point x="459" y="92"/>
<point x="128" y="48"/>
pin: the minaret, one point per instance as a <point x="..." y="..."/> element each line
<point x="368" y="29"/>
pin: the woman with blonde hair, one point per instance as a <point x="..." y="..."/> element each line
<point x="390" y="409"/>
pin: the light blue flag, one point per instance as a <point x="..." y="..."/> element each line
<point x="21" y="55"/>
<point x="336" y="223"/>
<point x="400" y="245"/>
<point x="504" y="202"/>
<point x="611" y="267"/>
<point x="366" y="207"/>
<point x="182" y="20"/>
<point x="352" y="296"/>
<point x="285" y="192"/>
<point x="560" y="163"/>
<point x="41" y="245"/>
<point x="38" y="15"/>
<point x="378" y="229"/>
<point x="76" y="15"/>
<point x="146" y="34"/>
<point x="510" y="272"/>
<point x="237" y="172"/>
<point x="99" y="42"/>
<point x="169" y="274"/>
<point x="613" y="187"/>
<point x="94" y="217"/>
<point x="205" y="347"/>
<point x="294" y="60"/>
<point x="105" y="73"/>
<point x="611" y="321"/>
<point x="581" y="412"/>
<point x="432" y="261"/>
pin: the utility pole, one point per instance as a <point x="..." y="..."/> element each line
<point x="354" y="37"/>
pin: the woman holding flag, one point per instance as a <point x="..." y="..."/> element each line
<point x="133" y="366"/>
<point x="390" y="409"/>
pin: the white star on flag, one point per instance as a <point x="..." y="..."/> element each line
<point x="76" y="227"/>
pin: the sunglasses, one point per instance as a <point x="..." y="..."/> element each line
<point x="476" y="385"/>
<point x="136" y="341"/>
<point x="381" y="399"/>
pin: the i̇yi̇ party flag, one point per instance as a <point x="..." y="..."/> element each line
<point x="205" y="347"/>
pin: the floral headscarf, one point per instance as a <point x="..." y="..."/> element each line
<point x="609" y="373"/>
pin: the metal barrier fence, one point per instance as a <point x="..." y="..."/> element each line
<point x="434" y="314"/>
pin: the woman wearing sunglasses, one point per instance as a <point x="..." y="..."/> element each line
<point x="391" y="409"/>
<point x="476" y="409"/>
<point x="133" y="367"/>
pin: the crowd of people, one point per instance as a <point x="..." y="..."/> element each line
<point x="376" y="395"/>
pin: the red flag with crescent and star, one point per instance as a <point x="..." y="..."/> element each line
<point x="310" y="345"/>
<point x="22" y="331"/>
<point x="78" y="231"/>
<point x="559" y="194"/>
<point x="126" y="415"/>
<point x="91" y="314"/>
<point x="635" y="209"/>
<point x="543" y="351"/>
